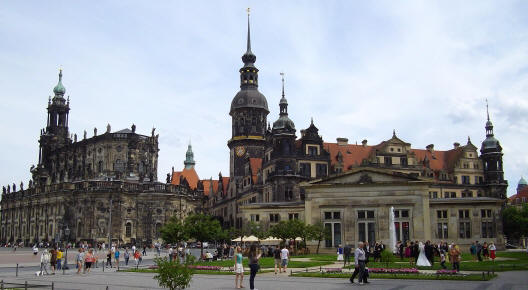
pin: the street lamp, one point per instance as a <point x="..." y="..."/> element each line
<point x="67" y="238"/>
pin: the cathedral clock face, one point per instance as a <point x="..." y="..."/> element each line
<point x="240" y="150"/>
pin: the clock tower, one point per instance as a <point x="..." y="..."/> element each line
<point x="249" y="110"/>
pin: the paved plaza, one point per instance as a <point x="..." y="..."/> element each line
<point x="267" y="281"/>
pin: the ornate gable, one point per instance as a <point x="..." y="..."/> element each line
<point x="363" y="176"/>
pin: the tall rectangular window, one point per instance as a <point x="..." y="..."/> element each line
<point x="332" y="224"/>
<point x="442" y="231"/>
<point x="465" y="230"/>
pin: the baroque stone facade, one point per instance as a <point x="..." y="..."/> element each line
<point x="454" y="194"/>
<point x="95" y="189"/>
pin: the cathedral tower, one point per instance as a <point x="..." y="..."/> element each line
<point x="249" y="110"/>
<point x="491" y="154"/>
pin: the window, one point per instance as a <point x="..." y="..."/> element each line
<point x="466" y="166"/>
<point x="128" y="230"/>
<point x="274" y="217"/>
<point x="387" y="160"/>
<point x="312" y="150"/>
<point x="487" y="230"/>
<point x="403" y="160"/>
<point x="321" y="170"/>
<point x="465" y="230"/>
<point x="441" y="214"/>
<point x="463" y="214"/>
<point x="465" y="179"/>
<point x="305" y="169"/>
<point x="293" y="216"/>
<point x="442" y="231"/>
<point x="433" y="194"/>
<point x="477" y="180"/>
<point x="332" y="224"/>
<point x="288" y="194"/>
<point x="255" y="217"/>
<point x="485" y="213"/>
<point x="467" y="193"/>
<point x="100" y="166"/>
<point x="366" y="226"/>
<point x="401" y="224"/>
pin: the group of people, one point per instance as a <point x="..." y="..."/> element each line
<point x="485" y="250"/>
<point x="281" y="257"/>
<point x="52" y="259"/>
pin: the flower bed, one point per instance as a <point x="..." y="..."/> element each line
<point x="333" y="270"/>
<point x="210" y="268"/>
<point x="394" y="271"/>
<point x="446" y="272"/>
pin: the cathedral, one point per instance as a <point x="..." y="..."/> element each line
<point x="454" y="195"/>
<point x="92" y="189"/>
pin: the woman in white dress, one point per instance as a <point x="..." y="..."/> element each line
<point x="422" y="259"/>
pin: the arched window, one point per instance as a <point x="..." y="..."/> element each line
<point x="79" y="230"/>
<point x="128" y="229"/>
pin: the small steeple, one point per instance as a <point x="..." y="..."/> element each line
<point x="393" y="133"/>
<point x="283" y="104"/>
<point x="248" y="58"/>
<point x="59" y="89"/>
<point x="489" y="125"/>
<point x="189" y="157"/>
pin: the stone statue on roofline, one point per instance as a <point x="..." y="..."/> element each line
<point x="84" y="136"/>
<point x="21" y="185"/>
<point x="14" y="187"/>
<point x="95" y="131"/>
<point x="4" y="191"/>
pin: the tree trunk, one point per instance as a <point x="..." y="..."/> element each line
<point x="318" y="244"/>
<point x="201" y="250"/>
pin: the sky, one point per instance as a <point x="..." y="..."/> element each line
<point x="359" y="68"/>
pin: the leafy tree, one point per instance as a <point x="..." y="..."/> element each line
<point x="203" y="228"/>
<point x="281" y="230"/>
<point x="318" y="232"/>
<point x="173" y="275"/>
<point x="257" y="230"/>
<point x="515" y="221"/>
<point x="174" y="231"/>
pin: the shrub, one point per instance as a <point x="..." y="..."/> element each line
<point x="173" y="275"/>
<point x="387" y="256"/>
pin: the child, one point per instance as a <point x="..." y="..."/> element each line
<point x="442" y="259"/>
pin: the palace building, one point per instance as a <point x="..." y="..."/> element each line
<point x="454" y="195"/>
<point x="94" y="189"/>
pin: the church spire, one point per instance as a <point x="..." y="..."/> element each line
<point x="489" y="125"/>
<point x="248" y="58"/>
<point x="59" y="89"/>
<point x="189" y="157"/>
<point x="283" y="104"/>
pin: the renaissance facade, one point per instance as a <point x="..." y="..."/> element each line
<point x="94" y="189"/>
<point x="455" y="195"/>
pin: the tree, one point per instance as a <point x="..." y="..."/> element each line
<point x="515" y="221"/>
<point x="281" y="231"/>
<point x="203" y="228"/>
<point x="173" y="275"/>
<point x="318" y="232"/>
<point x="174" y="231"/>
<point x="257" y="230"/>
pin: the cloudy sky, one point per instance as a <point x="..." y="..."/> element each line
<point x="360" y="69"/>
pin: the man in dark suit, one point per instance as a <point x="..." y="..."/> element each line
<point x="429" y="252"/>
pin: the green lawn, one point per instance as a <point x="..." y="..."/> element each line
<point x="519" y="262"/>
<point x="471" y="277"/>
<point x="203" y="272"/>
<point x="268" y="262"/>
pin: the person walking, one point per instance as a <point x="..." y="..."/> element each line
<point x="127" y="256"/>
<point x="479" y="251"/>
<point x="285" y="256"/>
<point x="239" y="269"/>
<point x="473" y="251"/>
<point x="79" y="259"/>
<point x="89" y="259"/>
<point x="170" y="254"/>
<point x="347" y="252"/>
<point x="109" y="258"/>
<point x="340" y="253"/>
<point x="53" y="260"/>
<point x="59" y="259"/>
<point x="44" y="261"/>
<point x="35" y="250"/>
<point x="492" y="250"/>
<point x="359" y="263"/>
<point x="277" y="259"/>
<point x="144" y="250"/>
<point x="137" y="256"/>
<point x="254" y="266"/>
<point x="116" y="256"/>
<point x="454" y="256"/>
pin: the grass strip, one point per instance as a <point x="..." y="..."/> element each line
<point x="470" y="277"/>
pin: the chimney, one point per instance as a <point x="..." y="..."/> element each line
<point x="364" y="142"/>
<point x="430" y="148"/>
<point x="456" y="145"/>
<point x="342" y="141"/>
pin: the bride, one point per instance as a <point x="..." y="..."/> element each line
<point x="422" y="259"/>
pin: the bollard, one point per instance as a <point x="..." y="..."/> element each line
<point x="17" y="270"/>
<point x="2" y="285"/>
<point x="25" y="285"/>
<point x="483" y="278"/>
<point x="52" y="285"/>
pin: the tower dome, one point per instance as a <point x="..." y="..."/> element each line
<point x="284" y="122"/>
<point x="59" y="89"/>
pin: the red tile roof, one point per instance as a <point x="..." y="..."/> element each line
<point x="189" y="174"/>
<point x="207" y="186"/>
<point x="353" y="155"/>
<point x="225" y="184"/>
<point x="522" y="193"/>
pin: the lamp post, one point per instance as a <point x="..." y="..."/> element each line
<point x="67" y="238"/>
